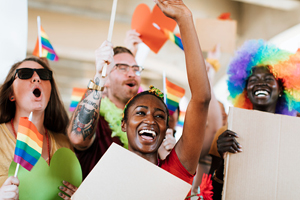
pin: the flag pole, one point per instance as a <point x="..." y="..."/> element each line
<point x="18" y="165"/>
<point x="110" y="32"/>
<point x="165" y="87"/>
<point x="39" y="35"/>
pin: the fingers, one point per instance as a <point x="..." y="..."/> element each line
<point x="9" y="189"/>
<point x="227" y="143"/>
<point x="11" y="181"/>
<point x="68" y="190"/>
<point x="104" y="54"/>
<point x="169" y="142"/>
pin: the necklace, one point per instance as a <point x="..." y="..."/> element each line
<point x="46" y="133"/>
<point x="113" y="115"/>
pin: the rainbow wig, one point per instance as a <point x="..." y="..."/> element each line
<point x="285" y="67"/>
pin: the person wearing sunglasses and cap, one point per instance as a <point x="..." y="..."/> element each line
<point x="29" y="87"/>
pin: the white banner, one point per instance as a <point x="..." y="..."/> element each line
<point x="13" y="34"/>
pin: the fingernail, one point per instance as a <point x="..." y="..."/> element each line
<point x="240" y="150"/>
<point x="240" y="145"/>
<point x="61" y="187"/>
<point x="60" y="194"/>
<point x="65" y="182"/>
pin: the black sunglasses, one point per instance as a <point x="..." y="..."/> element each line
<point x="26" y="73"/>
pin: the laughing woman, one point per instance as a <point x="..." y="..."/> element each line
<point x="261" y="77"/>
<point x="146" y="115"/>
<point x="29" y="87"/>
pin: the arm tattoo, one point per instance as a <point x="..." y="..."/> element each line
<point x="97" y="93"/>
<point x="85" y="119"/>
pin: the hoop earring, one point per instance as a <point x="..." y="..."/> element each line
<point x="279" y="95"/>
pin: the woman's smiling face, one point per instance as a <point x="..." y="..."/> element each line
<point x="146" y="124"/>
<point x="263" y="89"/>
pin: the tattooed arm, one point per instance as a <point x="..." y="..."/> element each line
<point x="83" y="123"/>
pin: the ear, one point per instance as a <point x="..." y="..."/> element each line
<point x="123" y="125"/>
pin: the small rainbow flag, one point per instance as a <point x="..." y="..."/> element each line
<point x="170" y="35"/>
<point x="181" y="118"/>
<point x="76" y="97"/>
<point x="174" y="93"/>
<point x="29" y="144"/>
<point x="47" y="49"/>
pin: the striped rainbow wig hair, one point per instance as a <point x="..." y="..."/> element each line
<point x="285" y="67"/>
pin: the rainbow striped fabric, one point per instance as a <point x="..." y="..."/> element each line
<point x="29" y="144"/>
<point x="76" y="97"/>
<point x="174" y="94"/>
<point x="174" y="38"/>
<point x="181" y="118"/>
<point x="47" y="49"/>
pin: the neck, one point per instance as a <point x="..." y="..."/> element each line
<point x="151" y="157"/>
<point x="37" y="120"/>
<point x="120" y="104"/>
<point x="270" y="109"/>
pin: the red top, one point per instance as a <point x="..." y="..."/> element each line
<point x="90" y="157"/>
<point x="174" y="166"/>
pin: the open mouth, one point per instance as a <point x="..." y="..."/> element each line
<point x="147" y="134"/>
<point x="130" y="84"/>
<point x="37" y="92"/>
<point x="261" y="93"/>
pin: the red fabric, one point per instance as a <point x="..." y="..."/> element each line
<point x="90" y="157"/>
<point x="174" y="166"/>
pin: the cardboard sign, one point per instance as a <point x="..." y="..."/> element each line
<point x="214" y="31"/>
<point x="142" y="21"/>
<point x="121" y="174"/>
<point x="268" y="167"/>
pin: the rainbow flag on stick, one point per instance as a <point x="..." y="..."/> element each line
<point x="43" y="47"/>
<point x="29" y="144"/>
<point x="181" y="118"/>
<point x="173" y="95"/>
<point x="170" y="35"/>
<point x="76" y="97"/>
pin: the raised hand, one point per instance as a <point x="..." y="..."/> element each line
<point x="9" y="189"/>
<point x="132" y="40"/>
<point x="167" y="145"/>
<point x="227" y="143"/>
<point x="104" y="54"/>
<point x="173" y="8"/>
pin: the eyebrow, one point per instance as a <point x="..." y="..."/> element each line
<point x="146" y="107"/>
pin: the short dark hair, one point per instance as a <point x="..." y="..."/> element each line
<point x="56" y="118"/>
<point x="120" y="49"/>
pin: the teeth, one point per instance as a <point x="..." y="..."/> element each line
<point x="261" y="93"/>
<point x="148" y="131"/>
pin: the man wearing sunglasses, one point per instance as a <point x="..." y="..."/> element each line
<point x="91" y="132"/>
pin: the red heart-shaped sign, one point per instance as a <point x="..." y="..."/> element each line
<point x="142" y="21"/>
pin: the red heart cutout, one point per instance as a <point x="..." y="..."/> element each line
<point x="142" y="21"/>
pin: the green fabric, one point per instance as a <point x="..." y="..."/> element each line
<point x="113" y="115"/>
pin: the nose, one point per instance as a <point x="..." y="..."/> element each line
<point x="149" y="119"/>
<point x="35" y="78"/>
<point x="131" y="72"/>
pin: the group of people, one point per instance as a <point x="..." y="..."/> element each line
<point x="261" y="77"/>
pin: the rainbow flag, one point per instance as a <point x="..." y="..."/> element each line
<point x="47" y="49"/>
<point x="181" y="118"/>
<point x="76" y="97"/>
<point x="170" y="35"/>
<point x="29" y="144"/>
<point x="174" y="38"/>
<point x="174" y="93"/>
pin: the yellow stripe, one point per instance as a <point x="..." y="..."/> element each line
<point x="75" y="98"/>
<point x="29" y="141"/>
<point x="173" y="97"/>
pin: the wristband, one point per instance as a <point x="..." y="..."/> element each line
<point x="93" y="86"/>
